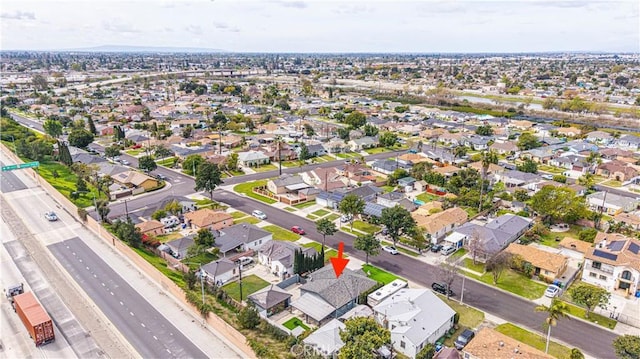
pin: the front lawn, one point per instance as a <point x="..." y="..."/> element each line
<point x="533" y="339"/>
<point x="250" y="285"/>
<point x="265" y="168"/>
<point x="365" y="227"/>
<point x="320" y="213"/>
<point x="304" y="204"/>
<point x="478" y="267"/>
<point x="168" y="237"/>
<point x="375" y="150"/>
<point x="238" y="214"/>
<point x="516" y="283"/>
<point x="457" y="254"/>
<point x="281" y="234"/>
<point x="252" y="220"/>
<point x="294" y="322"/>
<point x="469" y="317"/>
<point x="201" y="259"/>
<point x="378" y="274"/>
<point x="167" y="162"/>
<point x="134" y="152"/>
<point x="427" y="197"/>
<point x="332" y="217"/>
<point x="593" y="317"/>
<point x="247" y="189"/>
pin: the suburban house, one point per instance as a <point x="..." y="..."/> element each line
<point x="629" y="142"/>
<point x="515" y="178"/>
<point x="270" y="300"/>
<point x="286" y="183"/>
<point x="490" y="343"/>
<point x="616" y="170"/>
<point x="611" y="203"/>
<point x="504" y="148"/>
<point x="492" y="237"/>
<point x="390" y="199"/>
<point x="252" y="158"/>
<point x="325" y="340"/>
<point x="242" y="236"/>
<point x="388" y="166"/>
<point x="152" y="227"/>
<point x="415" y="318"/>
<point x="325" y="297"/>
<point x="360" y="144"/>
<point x="546" y="264"/>
<point x="631" y="220"/>
<point x="208" y="218"/>
<point x="613" y="263"/>
<point x="438" y="224"/>
<point x="316" y="150"/>
<point x="219" y="272"/>
<point x="599" y="137"/>
<point x="278" y="256"/>
<point x="180" y="246"/>
<point x="135" y="180"/>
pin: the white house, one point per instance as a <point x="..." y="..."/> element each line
<point x="415" y="317"/>
<point x="278" y="256"/>
<point x="611" y="203"/>
<point x="613" y="263"/>
<point x="326" y="340"/>
<point x="252" y="158"/>
<point x="245" y="236"/>
<point x="219" y="272"/>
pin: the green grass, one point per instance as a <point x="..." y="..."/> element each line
<point x="373" y="151"/>
<point x="468" y="263"/>
<point x="168" y="237"/>
<point x="265" y="168"/>
<point x="533" y="339"/>
<point x="388" y="188"/>
<point x="294" y="163"/>
<point x="515" y="283"/>
<point x="167" y="162"/>
<point x="203" y="202"/>
<point x="65" y="183"/>
<point x="294" y="322"/>
<point x="469" y="317"/>
<point x="457" y="254"/>
<point x="579" y="312"/>
<point x="378" y="274"/>
<point x="312" y="217"/>
<point x="401" y="249"/>
<point x="347" y="229"/>
<point x="238" y="214"/>
<point x="252" y="220"/>
<point x="250" y="285"/>
<point x="304" y="204"/>
<point x="247" y="189"/>
<point x="551" y="169"/>
<point x="332" y="217"/>
<point x="326" y="158"/>
<point x="427" y="197"/>
<point x="612" y="183"/>
<point x="201" y="259"/>
<point x="290" y="209"/>
<point x="281" y="234"/>
<point x="161" y="265"/>
<point x="328" y="252"/>
<point x="347" y="155"/>
<point x="134" y="152"/>
<point x="365" y="227"/>
<point x="549" y="239"/>
<point x="320" y="213"/>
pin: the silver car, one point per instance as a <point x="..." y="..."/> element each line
<point x="51" y="216"/>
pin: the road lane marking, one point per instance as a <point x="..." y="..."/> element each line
<point x="131" y="313"/>
<point x="111" y="293"/>
<point x="121" y="303"/>
<point x="144" y="326"/>
<point x="154" y="337"/>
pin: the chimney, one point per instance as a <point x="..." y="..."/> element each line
<point x="603" y="243"/>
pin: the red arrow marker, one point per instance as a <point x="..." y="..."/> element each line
<point x="338" y="262"/>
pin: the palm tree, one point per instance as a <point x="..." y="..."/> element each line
<point x="557" y="309"/>
<point x="278" y="140"/>
<point x="487" y="159"/>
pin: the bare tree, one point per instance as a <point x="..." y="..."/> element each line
<point x="497" y="264"/>
<point x="476" y="245"/>
<point x="448" y="273"/>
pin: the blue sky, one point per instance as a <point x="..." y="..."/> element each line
<point x="325" y="25"/>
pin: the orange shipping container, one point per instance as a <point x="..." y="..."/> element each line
<point x="34" y="318"/>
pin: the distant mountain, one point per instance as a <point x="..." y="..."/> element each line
<point x="126" y="48"/>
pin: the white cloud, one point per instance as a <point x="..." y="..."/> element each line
<point x="119" y="26"/>
<point x="18" y="15"/>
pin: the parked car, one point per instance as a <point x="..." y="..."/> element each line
<point x="259" y="214"/>
<point x="161" y="177"/>
<point x="390" y="249"/>
<point x="51" y="216"/>
<point x="552" y="291"/>
<point x="436" y="248"/>
<point x="346" y="218"/>
<point x="298" y="230"/>
<point x="441" y="288"/>
<point x="464" y="339"/>
<point x="547" y="176"/>
<point x="445" y="251"/>
<point x="125" y="162"/>
<point x="244" y="261"/>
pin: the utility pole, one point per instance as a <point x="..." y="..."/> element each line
<point x="202" y="282"/>
<point x="240" y="279"/>
<point x="462" y="293"/>
<point x="126" y="209"/>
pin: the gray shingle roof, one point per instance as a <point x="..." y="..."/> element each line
<point x="269" y="297"/>
<point x="337" y="291"/>
<point x="244" y="232"/>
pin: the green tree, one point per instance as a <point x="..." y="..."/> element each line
<point x="187" y="131"/>
<point x="587" y="180"/>
<point x="560" y="178"/>
<point x="147" y="163"/>
<point x="309" y="130"/>
<point x="368" y="244"/>
<point x="427" y="352"/>
<point x="556" y="310"/>
<point x="208" y="178"/>
<point x="249" y="317"/>
<point x="127" y="231"/>
<point x="590" y="296"/>
<point x="484" y="130"/>
<point x="326" y="228"/>
<point x="103" y="209"/>
<point x="159" y="214"/>
<point x="627" y="346"/>
<point x="576" y="354"/>
<point x="190" y="278"/>
<point x="232" y="162"/>
<point x="174" y="207"/>
<point x="528" y="166"/>
<point x="91" y="125"/>
<point x="162" y="152"/>
<point x="191" y="164"/>
<point x="304" y="152"/>
<point x="204" y="237"/>
<point x="370" y="130"/>
<point x="488" y="158"/>
<point x="80" y="138"/>
<point x="527" y="141"/>
<point x="460" y="151"/>
<point x="558" y="204"/>
<point x="355" y="119"/>
<point x="398" y="221"/>
<point x="112" y="151"/>
<point x="351" y="205"/>
<point x="362" y="336"/>
<point x="388" y="139"/>
<point x="52" y="128"/>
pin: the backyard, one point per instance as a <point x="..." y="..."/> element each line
<point x="533" y="339"/>
<point x="552" y="239"/>
<point x="427" y="197"/>
<point x="247" y="189"/>
<point x="250" y="285"/>
<point x="295" y="322"/>
<point x="378" y="274"/>
<point x="365" y="227"/>
<point x="281" y="234"/>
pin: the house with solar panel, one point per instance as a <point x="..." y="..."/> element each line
<point x="614" y="264"/>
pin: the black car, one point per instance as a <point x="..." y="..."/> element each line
<point x="441" y="288"/>
<point x="464" y="339"/>
<point x="436" y="248"/>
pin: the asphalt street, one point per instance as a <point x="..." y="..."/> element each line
<point x="589" y="338"/>
<point x="9" y="182"/>
<point x="152" y="335"/>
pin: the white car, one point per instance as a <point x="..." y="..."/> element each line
<point x="346" y="218"/>
<point x="390" y="249"/>
<point x="259" y="214"/>
<point x="51" y="216"/>
<point x="552" y="291"/>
